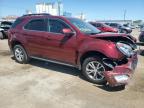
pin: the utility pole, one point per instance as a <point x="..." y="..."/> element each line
<point x="125" y="11"/>
<point x="82" y="16"/>
<point x="59" y="8"/>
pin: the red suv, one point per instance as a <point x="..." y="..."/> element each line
<point x="103" y="58"/>
<point x="103" y="27"/>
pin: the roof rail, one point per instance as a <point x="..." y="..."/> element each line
<point x="36" y="14"/>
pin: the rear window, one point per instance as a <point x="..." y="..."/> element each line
<point x="37" y="24"/>
<point x="18" y="21"/>
<point x="98" y="25"/>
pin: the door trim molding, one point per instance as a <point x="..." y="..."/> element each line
<point x="54" y="61"/>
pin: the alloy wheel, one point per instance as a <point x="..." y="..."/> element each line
<point x="94" y="70"/>
<point x="19" y="54"/>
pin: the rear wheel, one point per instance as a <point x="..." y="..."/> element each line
<point x="1" y="35"/>
<point x="93" y="69"/>
<point x="20" y="54"/>
<point x="142" y="53"/>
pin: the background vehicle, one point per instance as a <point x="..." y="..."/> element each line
<point x="122" y="29"/>
<point x="142" y="28"/>
<point x="130" y="26"/>
<point x="102" y="57"/>
<point x="103" y="27"/>
<point x="4" y="27"/>
<point x="141" y="36"/>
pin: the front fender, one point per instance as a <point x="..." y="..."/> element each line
<point x="107" y="48"/>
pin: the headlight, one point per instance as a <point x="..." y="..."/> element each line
<point x="125" y="49"/>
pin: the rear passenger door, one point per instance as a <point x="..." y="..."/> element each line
<point x="34" y="33"/>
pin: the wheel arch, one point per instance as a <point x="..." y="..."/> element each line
<point x="15" y="42"/>
<point x="89" y="54"/>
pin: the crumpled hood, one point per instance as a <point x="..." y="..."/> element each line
<point x="114" y="37"/>
<point x="109" y="34"/>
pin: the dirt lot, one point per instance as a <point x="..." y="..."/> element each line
<point x="46" y="85"/>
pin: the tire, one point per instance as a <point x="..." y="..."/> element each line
<point x="124" y="31"/>
<point x="142" y="53"/>
<point x="91" y="72"/>
<point x="141" y="38"/>
<point x="20" y="54"/>
<point x="1" y="35"/>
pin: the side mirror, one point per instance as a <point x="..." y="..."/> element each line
<point x="68" y="32"/>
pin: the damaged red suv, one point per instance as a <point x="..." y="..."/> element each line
<point x="102" y="57"/>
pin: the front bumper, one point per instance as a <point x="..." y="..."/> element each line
<point x="121" y="74"/>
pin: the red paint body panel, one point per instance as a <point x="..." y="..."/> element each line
<point x="125" y="69"/>
<point x="107" y="48"/>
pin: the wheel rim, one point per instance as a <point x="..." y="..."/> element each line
<point x="19" y="54"/>
<point x="95" y="70"/>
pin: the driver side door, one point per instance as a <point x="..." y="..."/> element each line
<point x="60" y="47"/>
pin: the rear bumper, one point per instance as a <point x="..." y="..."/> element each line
<point x="121" y="75"/>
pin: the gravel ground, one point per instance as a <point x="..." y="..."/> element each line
<point x="47" y="85"/>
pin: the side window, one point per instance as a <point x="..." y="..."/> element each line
<point x="113" y="25"/>
<point x="56" y="26"/>
<point x="18" y="21"/>
<point x="98" y="25"/>
<point x="37" y="24"/>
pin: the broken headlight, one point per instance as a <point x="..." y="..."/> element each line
<point x="125" y="49"/>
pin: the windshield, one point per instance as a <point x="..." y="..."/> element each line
<point x="83" y="26"/>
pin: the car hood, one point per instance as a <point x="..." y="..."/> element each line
<point x="109" y="34"/>
<point x="115" y="37"/>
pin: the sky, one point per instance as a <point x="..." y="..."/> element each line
<point x="93" y="9"/>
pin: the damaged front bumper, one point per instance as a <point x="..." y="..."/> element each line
<point x="121" y="74"/>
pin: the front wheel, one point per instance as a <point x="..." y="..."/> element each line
<point x="124" y="31"/>
<point x="93" y="69"/>
<point x="20" y="54"/>
<point x="141" y="38"/>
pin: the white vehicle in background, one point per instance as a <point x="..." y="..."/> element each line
<point x="4" y="27"/>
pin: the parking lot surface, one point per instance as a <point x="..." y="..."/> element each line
<point x="47" y="85"/>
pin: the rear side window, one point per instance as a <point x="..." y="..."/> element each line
<point x="113" y="25"/>
<point x="37" y="24"/>
<point x="18" y="21"/>
<point x="57" y="26"/>
<point x="98" y="25"/>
